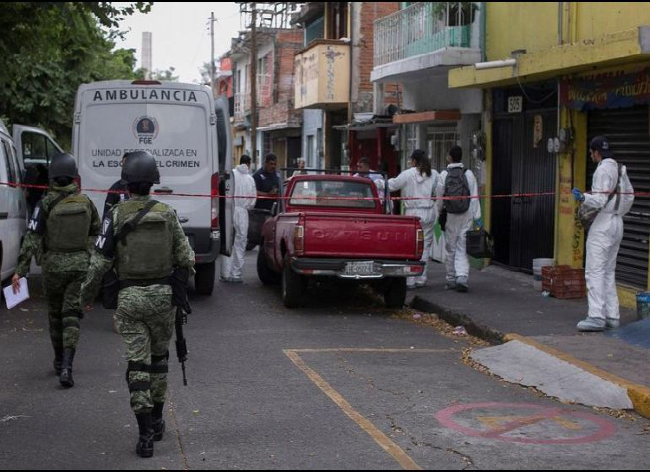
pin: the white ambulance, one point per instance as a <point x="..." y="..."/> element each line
<point x="20" y="154"/>
<point x="181" y="126"/>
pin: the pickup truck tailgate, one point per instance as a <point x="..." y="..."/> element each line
<point x="360" y="236"/>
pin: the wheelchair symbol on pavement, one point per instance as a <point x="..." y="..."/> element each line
<point x="536" y="424"/>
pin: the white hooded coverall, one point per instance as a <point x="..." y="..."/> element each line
<point x="413" y="184"/>
<point x="457" y="261"/>
<point x="603" y="241"/>
<point x="245" y="196"/>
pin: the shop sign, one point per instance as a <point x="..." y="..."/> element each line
<point x="607" y="91"/>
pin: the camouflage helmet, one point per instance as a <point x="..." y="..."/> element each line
<point x="62" y="165"/>
<point x="140" y="167"/>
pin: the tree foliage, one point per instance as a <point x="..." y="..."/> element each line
<point x="49" y="49"/>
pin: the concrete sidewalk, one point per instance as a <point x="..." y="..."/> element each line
<point x="504" y="307"/>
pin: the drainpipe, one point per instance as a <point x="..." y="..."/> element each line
<point x="352" y="47"/>
<point x="483" y="44"/>
<point x="353" y="40"/>
<point x="560" y="21"/>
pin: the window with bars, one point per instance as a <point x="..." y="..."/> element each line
<point x="439" y="140"/>
<point x="411" y="140"/>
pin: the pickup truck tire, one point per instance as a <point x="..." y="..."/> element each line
<point x="293" y="286"/>
<point x="264" y="272"/>
<point x="395" y="293"/>
<point x="204" y="278"/>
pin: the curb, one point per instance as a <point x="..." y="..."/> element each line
<point x="639" y="394"/>
<point x="456" y="318"/>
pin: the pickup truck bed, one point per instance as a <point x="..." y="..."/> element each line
<point x="347" y="237"/>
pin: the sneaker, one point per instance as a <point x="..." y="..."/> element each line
<point x="224" y="279"/>
<point x="592" y="324"/>
<point x="450" y="286"/>
<point x="612" y="322"/>
<point x="236" y="280"/>
<point x="461" y="284"/>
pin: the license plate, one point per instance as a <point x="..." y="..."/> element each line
<point x="360" y="268"/>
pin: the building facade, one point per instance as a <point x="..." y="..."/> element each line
<point x="548" y="91"/>
<point x="415" y="48"/>
<point x="334" y="89"/>
<point x="279" y="125"/>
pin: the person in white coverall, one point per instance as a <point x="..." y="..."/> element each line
<point x="245" y="197"/>
<point x="603" y="241"/>
<point x="418" y="182"/>
<point x="458" y="224"/>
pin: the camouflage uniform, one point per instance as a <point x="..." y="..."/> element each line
<point x="145" y="315"/>
<point x="62" y="272"/>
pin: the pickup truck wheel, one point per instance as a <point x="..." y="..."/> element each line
<point x="264" y="272"/>
<point x="293" y="286"/>
<point x="204" y="278"/>
<point x="395" y="293"/>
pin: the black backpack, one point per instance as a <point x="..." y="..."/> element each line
<point x="456" y="185"/>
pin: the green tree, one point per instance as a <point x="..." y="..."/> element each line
<point x="164" y="75"/>
<point x="49" y="49"/>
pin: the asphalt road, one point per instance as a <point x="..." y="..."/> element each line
<point x="341" y="383"/>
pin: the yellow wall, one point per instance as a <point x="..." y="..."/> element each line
<point x="569" y="244"/>
<point x="596" y="18"/>
<point x="534" y="25"/>
<point x="525" y="25"/>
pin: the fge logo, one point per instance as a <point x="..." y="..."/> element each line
<point x="145" y="129"/>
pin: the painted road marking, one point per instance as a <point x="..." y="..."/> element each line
<point x="377" y="435"/>
<point x="496" y="421"/>
<point x="503" y="428"/>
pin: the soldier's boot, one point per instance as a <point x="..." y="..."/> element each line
<point x="65" y="379"/>
<point x="157" y="421"/>
<point x="58" y="360"/>
<point x="144" y="448"/>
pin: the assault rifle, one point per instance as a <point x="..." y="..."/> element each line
<point x="181" y="344"/>
<point x="180" y="278"/>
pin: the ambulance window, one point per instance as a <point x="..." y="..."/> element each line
<point x="51" y="148"/>
<point x="9" y="163"/>
<point x="14" y="158"/>
<point x="34" y="146"/>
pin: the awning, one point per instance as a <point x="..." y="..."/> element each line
<point x="427" y="116"/>
<point x="279" y="126"/>
<point x="622" y="47"/>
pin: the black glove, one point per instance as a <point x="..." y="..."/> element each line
<point x="442" y="219"/>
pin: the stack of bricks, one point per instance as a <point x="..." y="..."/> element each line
<point x="564" y="282"/>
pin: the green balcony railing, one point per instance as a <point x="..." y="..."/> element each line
<point x="422" y="28"/>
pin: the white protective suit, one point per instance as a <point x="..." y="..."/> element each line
<point x="413" y="184"/>
<point x="245" y="196"/>
<point x="603" y="241"/>
<point x="457" y="261"/>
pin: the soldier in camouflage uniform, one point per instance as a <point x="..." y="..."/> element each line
<point x="143" y="259"/>
<point x="63" y="226"/>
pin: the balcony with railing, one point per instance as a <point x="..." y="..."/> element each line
<point x="242" y="102"/>
<point x="426" y="35"/>
<point x="322" y="75"/>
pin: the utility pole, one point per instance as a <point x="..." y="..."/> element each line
<point x="254" y="83"/>
<point x="212" y="67"/>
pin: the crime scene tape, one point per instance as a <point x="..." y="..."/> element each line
<point x="330" y="197"/>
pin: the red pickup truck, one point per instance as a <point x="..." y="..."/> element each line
<point x="336" y="226"/>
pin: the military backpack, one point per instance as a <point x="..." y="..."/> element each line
<point x="68" y="224"/>
<point x="145" y="252"/>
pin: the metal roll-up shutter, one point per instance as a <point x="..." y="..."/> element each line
<point x="627" y="130"/>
